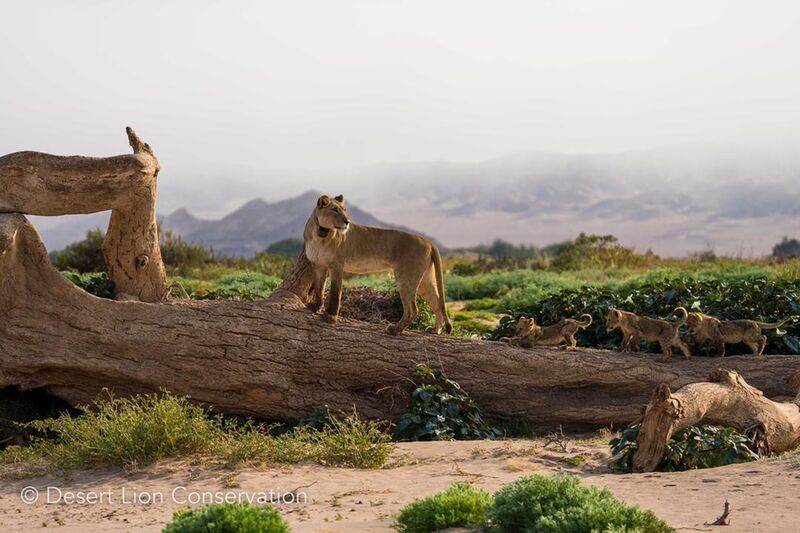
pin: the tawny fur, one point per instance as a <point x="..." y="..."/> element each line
<point x="703" y="327"/>
<point x="335" y="245"/>
<point x="528" y="334"/>
<point x="638" y="328"/>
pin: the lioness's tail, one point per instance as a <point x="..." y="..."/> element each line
<point x="436" y="258"/>
<point x="772" y="325"/>
<point x="684" y="313"/>
<point x="584" y="325"/>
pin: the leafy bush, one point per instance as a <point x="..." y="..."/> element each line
<point x="96" y="283"/>
<point x="227" y="518"/>
<point x="82" y="256"/>
<point x="127" y="431"/>
<point x="786" y="249"/>
<point x="441" y="409"/>
<point x="691" y="448"/>
<point x="461" y="505"/>
<point x="727" y="296"/>
<point x="287" y="247"/>
<point x="599" y="251"/>
<point x="136" y="431"/>
<point x="561" y="504"/>
<point x="181" y="256"/>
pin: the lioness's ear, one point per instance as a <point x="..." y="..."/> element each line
<point x="323" y="200"/>
<point x="340" y="199"/>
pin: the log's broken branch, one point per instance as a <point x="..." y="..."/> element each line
<point x="35" y="183"/>
<point x="727" y="400"/>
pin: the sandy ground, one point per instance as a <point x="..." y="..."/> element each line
<point x="765" y="496"/>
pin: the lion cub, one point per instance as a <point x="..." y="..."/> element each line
<point x="334" y="244"/>
<point x="704" y="327"/>
<point x="637" y="328"/>
<point x="528" y="334"/>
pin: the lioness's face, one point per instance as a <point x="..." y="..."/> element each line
<point x="612" y="320"/>
<point x="524" y="326"/>
<point x="332" y="213"/>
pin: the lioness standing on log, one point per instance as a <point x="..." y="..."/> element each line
<point x="334" y="244"/>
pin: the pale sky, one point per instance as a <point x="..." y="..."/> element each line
<point x="243" y="87"/>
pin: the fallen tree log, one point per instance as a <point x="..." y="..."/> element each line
<point x="726" y="400"/>
<point x="34" y="183"/>
<point x="275" y="359"/>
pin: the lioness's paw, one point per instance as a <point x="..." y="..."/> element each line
<point x="331" y="319"/>
<point x="393" y="329"/>
<point x="432" y="330"/>
<point x="314" y="306"/>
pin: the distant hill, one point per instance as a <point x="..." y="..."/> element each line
<point x="245" y="232"/>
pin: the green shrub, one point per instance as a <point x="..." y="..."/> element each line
<point x="351" y="441"/>
<point x="96" y="283"/>
<point x="181" y="256"/>
<point x="599" y="251"/>
<point x="691" y="448"/>
<point x="544" y="504"/>
<point x="287" y="247"/>
<point x="461" y="505"/>
<point x="136" y="431"/>
<point x="82" y="256"/>
<point x="441" y="410"/>
<point x="228" y="518"/>
<point x="127" y="431"/>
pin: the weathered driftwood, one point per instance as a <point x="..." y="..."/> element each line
<point x="275" y="359"/>
<point x="727" y="400"/>
<point x="34" y="183"/>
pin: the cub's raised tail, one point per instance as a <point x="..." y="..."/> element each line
<point x="587" y="323"/>
<point x="684" y="315"/>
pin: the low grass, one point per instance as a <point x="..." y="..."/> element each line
<point x="133" y="432"/>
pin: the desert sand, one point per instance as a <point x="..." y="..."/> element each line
<point x="764" y="496"/>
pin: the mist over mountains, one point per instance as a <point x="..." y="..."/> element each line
<point x="674" y="201"/>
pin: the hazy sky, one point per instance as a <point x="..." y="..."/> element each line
<point x="297" y="84"/>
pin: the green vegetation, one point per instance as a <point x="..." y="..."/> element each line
<point x="82" y="256"/>
<point x="544" y="504"/>
<point x="728" y="295"/>
<point x="461" y="505"/>
<point x="691" y="448"/>
<point x="132" y="432"/>
<point x="227" y="518"/>
<point x="441" y="410"/>
<point x="589" y="274"/>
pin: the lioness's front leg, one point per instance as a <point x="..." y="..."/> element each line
<point x="335" y="296"/>
<point x="320" y="273"/>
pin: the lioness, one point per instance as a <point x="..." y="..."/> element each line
<point x="334" y="244"/>
<point x="528" y="334"/>
<point x="704" y="327"/>
<point x="637" y="328"/>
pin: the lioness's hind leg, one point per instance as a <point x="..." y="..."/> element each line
<point x="427" y="289"/>
<point x="408" y="295"/>
<point x="757" y="346"/>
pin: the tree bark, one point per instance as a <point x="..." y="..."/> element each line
<point x="275" y="359"/>
<point x="34" y="183"/>
<point x="726" y="400"/>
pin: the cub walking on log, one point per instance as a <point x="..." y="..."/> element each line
<point x="704" y="327"/>
<point x="528" y="334"/>
<point x="638" y="328"/>
<point x="334" y="244"/>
